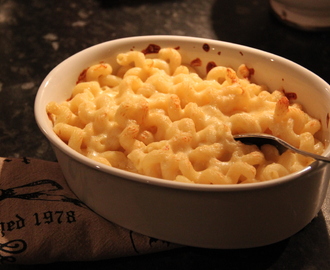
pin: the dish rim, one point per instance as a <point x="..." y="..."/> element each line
<point x="39" y="111"/>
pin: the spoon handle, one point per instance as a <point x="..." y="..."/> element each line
<point x="302" y="152"/>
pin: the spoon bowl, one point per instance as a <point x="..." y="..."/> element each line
<point x="262" y="138"/>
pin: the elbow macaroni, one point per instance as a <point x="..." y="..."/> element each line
<point x="158" y="117"/>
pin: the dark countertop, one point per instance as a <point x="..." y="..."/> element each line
<point x="37" y="35"/>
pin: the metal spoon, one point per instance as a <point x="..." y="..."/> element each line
<point x="261" y="138"/>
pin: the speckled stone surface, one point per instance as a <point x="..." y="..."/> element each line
<point x="36" y="35"/>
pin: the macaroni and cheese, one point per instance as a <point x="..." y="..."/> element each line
<point x="156" y="116"/>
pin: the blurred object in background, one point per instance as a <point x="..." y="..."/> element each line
<point x="303" y="14"/>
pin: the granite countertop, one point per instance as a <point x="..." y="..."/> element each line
<point x="37" y="35"/>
